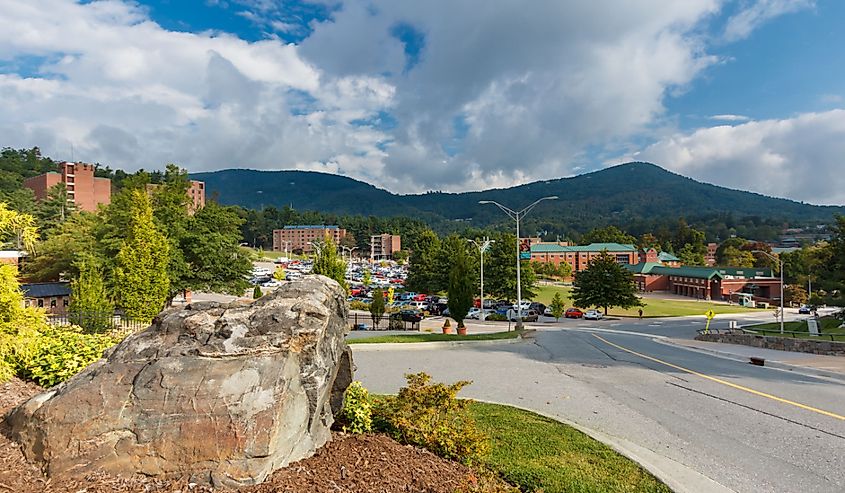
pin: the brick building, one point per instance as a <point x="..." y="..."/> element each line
<point x="579" y="256"/>
<point x="53" y="297"/>
<point x="83" y="189"/>
<point x="708" y="283"/>
<point x="299" y="238"/>
<point x="197" y="195"/>
<point x="383" y="246"/>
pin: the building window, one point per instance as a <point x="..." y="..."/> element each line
<point x="64" y="302"/>
<point x="40" y="303"/>
<point x="53" y="303"/>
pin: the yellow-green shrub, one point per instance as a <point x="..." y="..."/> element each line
<point x="55" y="354"/>
<point x="357" y="413"/>
<point x="431" y="416"/>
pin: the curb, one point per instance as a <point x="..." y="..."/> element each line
<point x="679" y="477"/>
<point x="389" y="346"/>
<point x="775" y="365"/>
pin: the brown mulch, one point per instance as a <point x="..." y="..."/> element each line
<point x="348" y="463"/>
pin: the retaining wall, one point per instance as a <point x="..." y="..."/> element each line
<point x="828" y="348"/>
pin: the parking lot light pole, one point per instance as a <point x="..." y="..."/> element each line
<point x="482" y="247"/>
<point x="516" y="216"/>
<point x="780" y="265"/>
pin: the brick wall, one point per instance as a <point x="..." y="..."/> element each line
<point x="813" y="346"/>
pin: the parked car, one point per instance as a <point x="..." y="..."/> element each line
<point x="360" y="327"/>
<point x="548" y="312"/>
<point x="527" y="316"/>
<point x="537" y="307"/>
<point x="409" y="316"/>
<point x="573" y="313"/>
<point x="593" y="315"/>
<point x="272" y="283"/>
<point x="804" y="310"/>
<point x="420" y="297"/>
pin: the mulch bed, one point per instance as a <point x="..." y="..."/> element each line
<point x="349" y="463"/>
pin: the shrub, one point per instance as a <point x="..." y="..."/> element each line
<point x="54" y="354"/>
<point x="359" y="305"/>
<point x="430" y="415"/>
<point x="357" y="413"/>
<point x="256" y="292"/>
<point x="496" y="317"/>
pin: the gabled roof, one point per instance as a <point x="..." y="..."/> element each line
<point x="688" y="271"/>
<point x="45" y="289"/>
<point x="643" y="267"/>
<point x="667" y="257"/>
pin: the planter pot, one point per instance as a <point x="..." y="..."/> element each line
<point x="447" y="330"/>
<point x="462" y="331"/>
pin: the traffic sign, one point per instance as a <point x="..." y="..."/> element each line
<point x="710" y="314"/>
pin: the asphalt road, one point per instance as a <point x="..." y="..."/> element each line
<point x="751" y="429"/>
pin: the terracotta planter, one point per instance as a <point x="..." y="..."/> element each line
<point x="447" y="330"/>
<point x="462" y="331"/>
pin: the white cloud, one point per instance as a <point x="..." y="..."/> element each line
<point x="499" y="95"/>
<point x="730" y="118"/>
<point x="800" y="157"/>
<point x="741" y="24"/>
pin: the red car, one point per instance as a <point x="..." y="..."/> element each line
<point x="573" y="313"/>
<point x="420" y="297"/>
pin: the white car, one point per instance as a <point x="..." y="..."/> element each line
<point x="593" y="315"/>
<point x="272" y="283"/>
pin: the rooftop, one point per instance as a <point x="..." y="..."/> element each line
<point x="310" y="226"/>
<point x="46" y="289"/>
<point x="667" y="257"/>
<point x="592" y="247"/>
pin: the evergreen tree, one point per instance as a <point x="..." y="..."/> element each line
<point x="557" y="306"/>
<point x="90" y="307"/>
<point x="461" y="285"/>
<point x="55" y="208"/>
<point x="329" y="263"/>
<point x="377" y="307"/>
<point x="422" y="273"/>
<point x="256" y="292"/>
<point x="500" y="270"/>
<point x="605" y="284"/>
<point x="142" y="285"/>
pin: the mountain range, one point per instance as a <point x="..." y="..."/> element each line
<point x="619" y="194"/>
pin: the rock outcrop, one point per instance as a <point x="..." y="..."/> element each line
<point x="223" y="393"/>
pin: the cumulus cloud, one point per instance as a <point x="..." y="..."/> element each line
<point x="757" y="12"/>
<point x="441" y="94"/>
<point x="800" y="157"/>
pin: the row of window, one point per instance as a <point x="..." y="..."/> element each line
<point x="40" y="302"/>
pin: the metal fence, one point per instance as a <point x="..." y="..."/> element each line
<point x="360" y="321"/>
<point x="98" y="322"/>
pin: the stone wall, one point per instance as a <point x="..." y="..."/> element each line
<point x="813" y="346"/>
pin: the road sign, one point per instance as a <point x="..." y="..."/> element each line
<point x="710" y="314"/>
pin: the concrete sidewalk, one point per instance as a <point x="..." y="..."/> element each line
<point x="826" y="366"/>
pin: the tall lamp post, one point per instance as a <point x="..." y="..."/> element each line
<point x="482" y="247"/>
<point x="780" y="265"/>
<point x="345" y="248"/>
<point x="516" y="216"/>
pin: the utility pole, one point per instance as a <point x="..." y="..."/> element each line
<point x="482" y="247"/>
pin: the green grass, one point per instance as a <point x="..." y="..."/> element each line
<point x="494" y="336"/>
<point x="539" y="454"/>
<point x="827" y="326"/>
<point x="654" y="307"/>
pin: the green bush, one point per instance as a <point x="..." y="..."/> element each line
<point x="359" y="305"/>
<point x="256" y="292"/>
<point x="431" y="416"/>
<point x="496" y="317"/>
<point x="357" y="413"/>
<point x="54" y="354"/>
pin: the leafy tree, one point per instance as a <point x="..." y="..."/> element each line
<point x="401" y="256"/>
<point x="832" y="275"/>
<point x="256" y="292"/>
<point x="329" y="263"/>
<point x="90" y="307"/>
<point x="141" y="282"/>
<point x="500" y="270"/>
<point x="57" y="256"/>
<point x="367" y="277"/>
<point x="692" y="254"/>
<point x="557" y="306"/>
<point x="445" y="260"/>
<point x="734" y="257"/>
<point x="17" y="229"/>
<point x="608" y="234"/>
<point x="735" y="243"/>
<point x="377" y="307"/>
<point x="648" y="240"/>
<point x="461" y="285"/>
<point x="605" y="284"/>
<point x="422" y="274"/>
<point x="279" y="273"/>
<point x="55" y="208"/>
<point x="794" y="294"/>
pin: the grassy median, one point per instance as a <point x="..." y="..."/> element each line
<point x="410" y="338"/>
<point x="828" y="326"/>
<point x="536" y="453"/>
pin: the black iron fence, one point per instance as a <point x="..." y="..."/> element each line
<point x="98" y="322"/>
<point x="361" y="321"/>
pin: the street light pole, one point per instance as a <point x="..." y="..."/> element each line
<point x="516" y="215"/>
<point x="482" y="247"/>
<point x="780" y="265"/>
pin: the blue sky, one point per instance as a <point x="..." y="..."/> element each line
<point x="436" y="95"/>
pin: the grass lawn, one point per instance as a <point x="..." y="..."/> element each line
<point x="494" y="336"/>
<point x="827" y="326"/>
<point x="539" y="454"/>
<point x="654" y="307"/>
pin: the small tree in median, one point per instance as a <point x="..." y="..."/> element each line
<point x="461" y="286"/>
<point x="606" y="284"/>
<point x="557" y="306"/>
<point x="377" y="307"/>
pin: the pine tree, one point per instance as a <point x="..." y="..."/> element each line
<point x="142" y="285"/>
<point x="256" y="292"/>
<point x="461" y="285"/>
<point x="90" y="307"/>
<point x="605" y="284"/>
<point x="329" y="263"/>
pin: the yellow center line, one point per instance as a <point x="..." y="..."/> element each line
<point x="724" y="382"/>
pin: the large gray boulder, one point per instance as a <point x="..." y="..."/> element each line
<point x="223" y="393"/>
